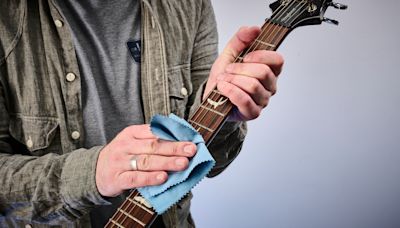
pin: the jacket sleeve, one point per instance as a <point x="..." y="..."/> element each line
<point x="45" y="189"/>
<point x="228" y="142"/>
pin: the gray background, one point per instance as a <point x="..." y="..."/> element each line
<point x="326" y="153"/>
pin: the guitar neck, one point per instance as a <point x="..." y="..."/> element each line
<point x="215" y="109"/>
<point x="207" y="120"/>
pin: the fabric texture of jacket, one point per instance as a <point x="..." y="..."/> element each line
<point x="46" y="177"/>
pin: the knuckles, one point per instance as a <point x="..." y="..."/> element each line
<point x="144" y="162"/>
<point x="253" y="86"/>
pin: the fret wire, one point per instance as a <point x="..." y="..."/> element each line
<point x="281" y="32"/>
<point x="216" y="91"/>
<point x="265" y="43"/>
<point x="131" y="217"/>
<point x="141" y="206"/>
<point x="199" y="111"/>
<point x="116" y="223"/>
<point x="217" y="121"/>
<point x="200" y="114"/>
<point x="135" y="215"/>
<point x="276" y="33"/>
<point x="278" y="12"/>
<point x="254" y="45"/>
<point x="266" y="34"/>
<point x="212" y="110"/>
<point x="127" y="203"/>
<point x="218" y="96"/>
<point x="202" y="126"/>
<point x="146" y="214"/>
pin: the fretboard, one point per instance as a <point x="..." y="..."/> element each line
<point x="215" y="109"/>
<point x="207" y="120"/>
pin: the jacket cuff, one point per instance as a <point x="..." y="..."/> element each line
<point x="78" y="179"/>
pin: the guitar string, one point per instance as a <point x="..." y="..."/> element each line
<point x="200" y="111"/>
<point x="117" y="215"/>
<point x="255" y="45"/>
<point x="275" y="35"/>
<point x="280" y="11"/>
<point x="265" y="32"/>
<point x="280" y="29"/>
<point x="121" y="216"/>
<point x="128" y="205"/>
<point x="268" y="32"/>
<point x="248" y="50"/>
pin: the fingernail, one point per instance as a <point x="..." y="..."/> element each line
<point x="160" y="177"/>
<point x="189" y="149"/>
<point x="180" y="162"/>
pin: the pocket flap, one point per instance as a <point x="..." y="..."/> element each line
<point x="179" y="81"/>
<point x="34" y="132"/>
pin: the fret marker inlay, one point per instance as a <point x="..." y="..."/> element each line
<point x="215" y="104"/>
<point x="143" y="201"/>
<point x="213" y="110"/>
<point x="140" y="205"/>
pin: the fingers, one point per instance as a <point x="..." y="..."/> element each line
<point x="153" y="159"/>
<point x="156" y="163"/>
<point x="239" y="42"/>
<point x="270" y="58"/>
<point x="140" y="132"/>
<point x="161" y="147"/>
<point x="251" y="86"/>
<point x="137" y="179"/>
<point x="260" y="72"/>
<point x="245" y="104"/>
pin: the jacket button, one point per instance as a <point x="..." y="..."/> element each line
<point x="184" y="91"/>
<point x="29" y="143"/>
<point x="28" y="226"/>
<point x="58" y="23"/>
<point x="75" y="135"/>
<point x="70" y="77"/>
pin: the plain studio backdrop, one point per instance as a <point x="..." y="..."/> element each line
<point x="326" y="152"/>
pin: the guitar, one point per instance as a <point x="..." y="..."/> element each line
<point x="212" y="113"/>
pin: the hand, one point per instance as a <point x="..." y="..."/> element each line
<point x="154" y="158"/>
<point x="248" y="85"/>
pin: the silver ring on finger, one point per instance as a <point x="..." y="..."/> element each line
<point x="133" y="163"/>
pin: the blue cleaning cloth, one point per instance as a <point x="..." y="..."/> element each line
<point x="173" y="128"/>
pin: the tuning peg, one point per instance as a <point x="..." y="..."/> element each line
<point x="330" y="21"/>
<point x="338" y="5"/>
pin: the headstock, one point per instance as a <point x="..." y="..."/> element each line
<point x="295" y="13"/>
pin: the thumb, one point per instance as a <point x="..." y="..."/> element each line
<point x="240" y="41"/>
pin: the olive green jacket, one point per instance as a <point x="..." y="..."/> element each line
<point x="46" y="177"/>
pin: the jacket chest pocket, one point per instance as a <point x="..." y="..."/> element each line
<point x="37" y="134"/>
<point x="180" y="88"/>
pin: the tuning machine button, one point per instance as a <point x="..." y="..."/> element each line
<point x="338" y="5"/>
<point x="330" y="21"/>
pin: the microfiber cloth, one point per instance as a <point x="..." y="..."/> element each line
<point x="173" y="128"/>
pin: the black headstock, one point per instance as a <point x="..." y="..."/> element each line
<point x="295" y="13"/>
